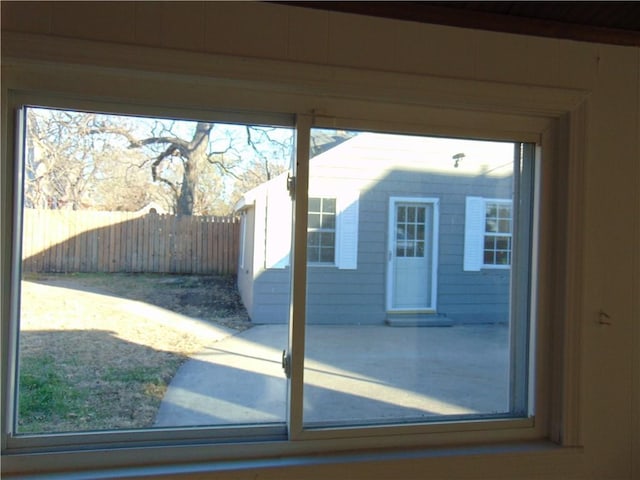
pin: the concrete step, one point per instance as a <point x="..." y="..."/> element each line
<point x="418" y="320"/>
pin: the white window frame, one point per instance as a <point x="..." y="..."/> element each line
<point x="546" y="116"/>
<point x="509" y="235"/>
<point x="243" y="239"/>
<point x="475" y="234"/>
<point x="333" y="230"/>
<point x="277" y="253"/>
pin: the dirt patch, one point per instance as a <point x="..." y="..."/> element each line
<point x="90" y="362"/>
<point x="213" y="298"/>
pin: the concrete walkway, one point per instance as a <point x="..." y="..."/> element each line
<point x="352" y="373"/>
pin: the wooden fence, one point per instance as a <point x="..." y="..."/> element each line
<point x="88" y="241"/>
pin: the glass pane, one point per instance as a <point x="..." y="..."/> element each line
<point x="133" y="312"/>
<point x="411" y="232"/>
<point x="328" y="221"/>
<point x="315" y="205"/>
<point x="313" y="255"/>
<point x="329" y="205"/>
<point x="314" y="220"/>
<point x="411" y="214"/>
<point x="491" y="226"/>
<point x="502" y="258"/>
<point x="489" y="242"/>
<point x="327" y="239"/>
<point x="455" y="360"/>
<point x="503" y="243"/>
<point x="313" y="239"/>
<point x="327" y="255"/>
<point x="504" y="212"/>
<point x="402" y="214"/>
<point x="489" y="257"/>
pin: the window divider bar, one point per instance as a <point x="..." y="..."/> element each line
<point x="298" y="276"/>
<point x="521" y="268"/>
<point x="9" y="369"/>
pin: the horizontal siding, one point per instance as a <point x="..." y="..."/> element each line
<point x="317" y="299"/>
<point x="375" y="260"/>
<point x="473" y="314"/>
<point x="359" y="296"/>
<point x="270" y="314"/>
<point x="367" y="275"/>
<point x="474" y="296"/>
<point x="472" y="278"/>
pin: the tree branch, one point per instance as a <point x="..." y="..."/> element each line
<point x="137" y="142"/>
<point x="173" y="187"/>
<point x="154" y="166"/>
<point x="177" y="143"/>
<point x="223" y="167"/>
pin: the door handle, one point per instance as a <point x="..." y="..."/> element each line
<point x="286" y="363"/>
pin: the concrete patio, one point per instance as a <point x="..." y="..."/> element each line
<point x="353" y="374"/>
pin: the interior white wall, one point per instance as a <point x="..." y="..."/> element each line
<point x="610" y="359"/>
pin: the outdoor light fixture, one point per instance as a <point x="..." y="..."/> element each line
<point x="457" y="157"/>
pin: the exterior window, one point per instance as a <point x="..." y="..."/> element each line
<point x="102" y="234"/>
<point x="497" y="236"/>
<point x="377" y="221"/>
<point x="243" y="240"/>
<point x="332" y="229"/>
<point x="488" y="233"/>
<point x="123" y="221"/>
<point x="103" y="225"/>
<point x="411" y="228"/>
<point x="321" y="236"/>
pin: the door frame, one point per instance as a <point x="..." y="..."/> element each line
<point x="434" y="252"/>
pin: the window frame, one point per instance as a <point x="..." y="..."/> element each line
<point x="346" y="236"/>
<point x="320" y="230"/>
<point x="553" y="118"/>
<point x="498" y="202"/>
<point x="473" y="257"/>
<point x="242" y="239"/>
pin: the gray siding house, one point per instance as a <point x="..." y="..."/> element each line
<point x="402" y="229"/>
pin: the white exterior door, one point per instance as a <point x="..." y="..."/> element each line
<point x="412" y="256"/>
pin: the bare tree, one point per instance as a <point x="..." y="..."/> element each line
<point x="60" y="163"/>
<point x="206" y="163"/>
<point x="88" y="160"/>
<point x="71" y="162"/>
<point x="271" y="157"/>
<point x="193" y="154"/>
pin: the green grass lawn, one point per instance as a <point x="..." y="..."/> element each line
<point x="74" y="384"/>
<point x="88" y="363"/>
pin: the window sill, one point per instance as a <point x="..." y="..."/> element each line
<point x="524" y="457"/>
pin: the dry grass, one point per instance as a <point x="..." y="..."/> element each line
<point x="87" y="363"/>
